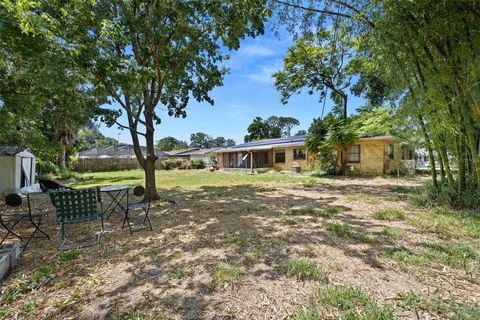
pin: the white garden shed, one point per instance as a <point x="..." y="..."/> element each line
<point x="17" y="168"/>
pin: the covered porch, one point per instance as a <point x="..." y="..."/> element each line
<point x="246" y="160"/>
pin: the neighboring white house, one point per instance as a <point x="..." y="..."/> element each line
<point x="116" y="151"/>
<point x="203" y="154"/>
<point x="193" y="154"/>
<point x="17" y="168"/>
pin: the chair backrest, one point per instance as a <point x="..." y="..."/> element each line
<point x="75" y="204"/>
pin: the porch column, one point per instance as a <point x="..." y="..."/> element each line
<point x="251" y="162"/>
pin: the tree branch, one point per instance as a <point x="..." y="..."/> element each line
<point x="129" y="128"/>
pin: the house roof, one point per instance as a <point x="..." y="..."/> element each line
<point x="6" y="150"/>
<point x="201" y="152"/>
<point x="182" y="152"/>
<point x="117" y="150"/>
<point x="267" y="144"/>
<point x="296" y="141"/>
<point x="377" y="137"/>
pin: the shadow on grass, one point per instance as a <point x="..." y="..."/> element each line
<point x="209" y="225"/>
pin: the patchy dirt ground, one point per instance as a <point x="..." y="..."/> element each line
<point x="222" y="252"/>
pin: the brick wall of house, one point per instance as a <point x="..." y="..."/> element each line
<point x="372" y="158"/>
<point x="289" y="161"/>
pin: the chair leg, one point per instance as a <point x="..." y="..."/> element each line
<point x="63" y="238"/>
<point x="147" y="218"/>
<point x="37" y="226"/>
<point x="10" y="230"/>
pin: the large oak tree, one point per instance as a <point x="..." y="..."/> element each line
<point x="154" y="56"/>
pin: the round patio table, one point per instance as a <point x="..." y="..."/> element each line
<point x="116" y="195"/>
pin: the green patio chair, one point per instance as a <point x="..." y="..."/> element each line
<point x="77" y="206"/>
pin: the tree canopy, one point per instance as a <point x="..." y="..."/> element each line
<point x="273" y="127"/>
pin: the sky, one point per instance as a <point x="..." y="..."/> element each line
<point x="248" y="92"/>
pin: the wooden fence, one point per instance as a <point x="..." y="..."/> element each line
<point x="107" y="164"/>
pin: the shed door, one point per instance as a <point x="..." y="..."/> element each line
<point x="26" y="174"/>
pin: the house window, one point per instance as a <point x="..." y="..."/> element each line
<point x="280" y="156"/>
<point x="353" y="153"/>
<point x="298" y="154"/>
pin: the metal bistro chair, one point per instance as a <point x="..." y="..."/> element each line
<point x="140" y="202"/>
<point x="77" y="206"/>
<point x="12" y="214"/>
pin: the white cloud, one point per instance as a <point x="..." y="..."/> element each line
<point x="264" y="73"/>
<point x="254" y="50"/>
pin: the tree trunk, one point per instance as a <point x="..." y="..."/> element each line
<point x="150" y="183"/>
<point x="460" y="150"/>
<point x="470" y="135"/>
<point x="442" y="169"/>
<point x="62" y="150"/>
<point x="443" y="154"/>
<point x="343" y="161"/>
<point x="430" y="151"/>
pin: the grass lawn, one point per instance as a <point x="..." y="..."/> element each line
<point x="189" y="178"/>
<point x="239" y="246"/>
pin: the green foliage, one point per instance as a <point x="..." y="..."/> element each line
<point x="288" y="219"/>
<point x="273" y="127"/>
<point x="341" y="229"/>
<point x="69" y="256"/>
<point x="224" y="273"/>
<point x="447" y="195"/>
<point x="304" y="269"/>
<point x="316" y="62"/>
<point x="374" y="120"/>
<point x="89" y="138"/>
<point x="447" y="307"/>
<point x="326" y="136"/>
<point x="204" y="141"/>
<point x="197" y="164"/>
<point x="45" y="168"/>
<point x="260" y="129"/>
<point x="388" y="214"/>
<point x="180" y="272"/>
<point x="181" y="164"/>
<point x="365" y="238"/>
<point x="447" y="223"/>
<point x="394" y="232"/>
<point x="456" y="254"/>
<point x="351" y="302"/>
<point x="307" y="211"/>
<point x="406" y="259"/>
<point x="170" y="143"/>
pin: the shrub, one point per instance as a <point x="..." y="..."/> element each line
<point x="45" y="168"/>
<point x="174" y="163"/>
<point x="447" y="195"/>
<point x="197" y="164"/>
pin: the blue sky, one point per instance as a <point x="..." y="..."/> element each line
<point x="248" y="92"/>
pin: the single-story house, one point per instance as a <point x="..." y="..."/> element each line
<point x="116" y="151"/>
<point x="182" y="153"/>
<point x="369" y="155"/>
<point x="17" y="168"/>
<point x="263" y="155"/>
<point x="193" y="154"/>
<point x="203" y="154"/>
